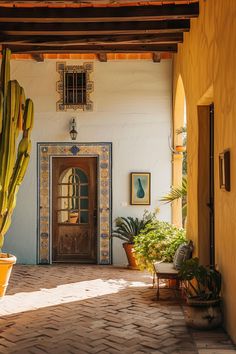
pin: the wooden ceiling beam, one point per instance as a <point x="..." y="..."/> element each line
<point x="123" y="48"/>
<point x="97" y="40"/>
<point x="99" y="14"/>
<point x="156" y="57"/>
<point x="38" y="57"/>
<point x="80" y="29"/>
<point x="102" y="57"/>
<point x="88" y="2"/>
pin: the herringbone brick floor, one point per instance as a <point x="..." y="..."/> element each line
<point x="62" y="309"/>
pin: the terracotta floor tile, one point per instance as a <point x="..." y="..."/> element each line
<point x="78" y="309"/>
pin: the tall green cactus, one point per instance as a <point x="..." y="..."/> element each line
<point x="16" y="117"/>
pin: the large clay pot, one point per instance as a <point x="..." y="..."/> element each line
<point x="129" y="250"/>
<point x="6" y="264"/>
<point x="203" y="314"/>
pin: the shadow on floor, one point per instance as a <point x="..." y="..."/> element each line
<point x="126" y="321"/>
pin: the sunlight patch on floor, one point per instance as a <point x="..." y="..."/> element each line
<point x="66" y="293"/>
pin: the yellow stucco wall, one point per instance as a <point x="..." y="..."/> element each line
<point x="206" y="62"/>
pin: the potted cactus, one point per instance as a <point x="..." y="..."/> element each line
<point x="16" y="117"/>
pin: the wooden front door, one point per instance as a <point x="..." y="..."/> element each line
<point x="74" y="207"/>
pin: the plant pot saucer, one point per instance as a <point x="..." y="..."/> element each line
<point x="203" y="303"/>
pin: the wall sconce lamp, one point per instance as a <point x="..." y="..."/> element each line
<point x="73" y="129"/>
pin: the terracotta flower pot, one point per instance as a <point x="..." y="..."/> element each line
<point x="129" y="250"/>
<point x="6" y="264"/>
<point x="180" y="148"/>
<point x="173" y="283"/>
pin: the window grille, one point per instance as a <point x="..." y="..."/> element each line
<point x="74" y="87"/>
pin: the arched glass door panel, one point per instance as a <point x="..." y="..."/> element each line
<point x="73" y="194"/>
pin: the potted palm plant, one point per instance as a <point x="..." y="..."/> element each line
<point x="126" y="229"/>
<point x="202" y="286"/>
<point x="16" y="117"/>
<point x="176" y="193"/>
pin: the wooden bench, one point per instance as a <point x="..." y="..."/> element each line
<point x="165" y="271"/>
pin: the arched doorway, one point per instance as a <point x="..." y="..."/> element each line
<point x="178" y="159"/>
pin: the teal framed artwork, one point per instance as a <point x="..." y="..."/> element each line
<point x="140" y="188"/>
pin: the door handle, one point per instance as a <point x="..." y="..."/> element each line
<point x="95" y="217"/>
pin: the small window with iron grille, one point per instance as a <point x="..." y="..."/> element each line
<point x="74" y="87"/>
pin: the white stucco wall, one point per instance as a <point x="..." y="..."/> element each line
<point x="132" y="109"/>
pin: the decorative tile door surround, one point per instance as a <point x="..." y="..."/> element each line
<point x="103" y="152"/>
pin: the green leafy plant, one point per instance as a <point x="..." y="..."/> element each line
<point x="200" y="282"/>
<point x="16" y="115"/>
<point x="183" y="131"/>
<point x="158" y="241"/>
<point x="129" y="227"/>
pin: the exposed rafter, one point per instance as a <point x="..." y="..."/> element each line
<point x="98" y="14"/>
<point x="156" y="57"/>
<point x="90" y="2"/>
<point x="117" y="27"/>
<point x="65" y="41"/>
<point x="38" y="57"/>
<point x="102" y="57"/>
<point x="85" y="48"/>
<point x="47" y="29"/>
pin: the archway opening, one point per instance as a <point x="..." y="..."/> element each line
<point x="179" y="158"/>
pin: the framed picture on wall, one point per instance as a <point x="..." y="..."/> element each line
<point x="224" y="170"/>
<point x="140" y="188"/>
